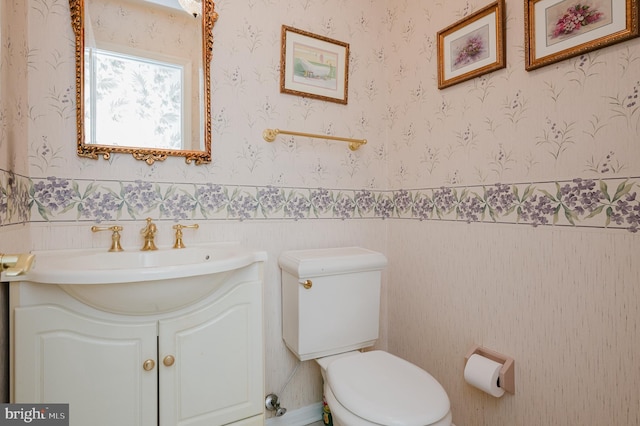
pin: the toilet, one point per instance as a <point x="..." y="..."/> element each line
<point x="330" y="312"/>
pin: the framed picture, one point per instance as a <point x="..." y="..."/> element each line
<point x="560" y="29"/>
<point x="313" y="66"/>
<point x="472" y="46"/>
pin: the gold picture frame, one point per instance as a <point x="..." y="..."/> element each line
<point x="314" y="66"/>
<point x="552" y="35"/>
<point x="473" y="46"/>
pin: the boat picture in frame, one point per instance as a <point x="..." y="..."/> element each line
<point x="313" y="66"/>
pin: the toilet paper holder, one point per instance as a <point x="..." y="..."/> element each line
<point x="507" y="372"/>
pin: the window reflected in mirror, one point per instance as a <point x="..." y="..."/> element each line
<point x="143" y="78"/>
<point x="135" y="101"/>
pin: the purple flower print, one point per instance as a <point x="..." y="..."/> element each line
<point x="623" y="207"/>
<point x="629" y="209"/>
<point x="344" y="207"/>
<point x="178" y="206"/>
<point x="211" y="198"/>
<point x="53" y="195"/>
<point x="18" y="201"/>
<point x="270" y="199"/>
<point x="469" y="208"/>
<point x="537" y="210"/>
<point x="402" y="201"/>
<point x="582" y="197"/>
<point x="422" y="207"/>
<point x="577" y="200"/>
<point x="297" y="207"/>
<point x="140" y="197"/>
<point x="499" y="200"/>
<point x="3" y="203"/>
<point x="632" y="98"/>
<point x="384" y="207"/>
<point x="575" y="18"/>
<point x="468" y="53"/>
<point x="444" y="200"/>
<point x="365" y="201"/>
<point x="242" y="206"/>
<point x="321" y="200"/>
<point x="100" y="206"/>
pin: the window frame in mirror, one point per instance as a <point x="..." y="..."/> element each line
<point x="148" y="155"/>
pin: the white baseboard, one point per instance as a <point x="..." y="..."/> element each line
<point x="300" y="417"/>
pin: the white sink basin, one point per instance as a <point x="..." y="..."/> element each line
<point x="137" y="282"/>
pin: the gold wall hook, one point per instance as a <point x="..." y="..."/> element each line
<point x="270" y="135"/>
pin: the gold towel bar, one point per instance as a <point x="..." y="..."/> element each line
<point x="269" y="135"/>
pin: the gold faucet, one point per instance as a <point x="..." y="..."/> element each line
<point x="115" y="237"/>
<point x="179" y="243"/>
<point x="149" y="233"/>
<point x="16" y="264"/>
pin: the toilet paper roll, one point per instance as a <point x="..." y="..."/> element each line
<point x="483" y="374"/>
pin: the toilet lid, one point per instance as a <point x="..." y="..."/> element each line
<point x="384" y="389"/>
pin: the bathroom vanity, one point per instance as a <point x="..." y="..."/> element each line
<point x="172" y="337"/>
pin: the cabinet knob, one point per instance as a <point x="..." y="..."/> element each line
<point x="148" y="365"/>
<point x="168" y="360"/>
<point x="307" y="284"/>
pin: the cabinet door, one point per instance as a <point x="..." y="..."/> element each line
<point x="217" y="374"/>
<point x="95" y="366"/>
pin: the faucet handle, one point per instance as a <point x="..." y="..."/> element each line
<point x="115" y="237"/>
<point x="179" y="244"/>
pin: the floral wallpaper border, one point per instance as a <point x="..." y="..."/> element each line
<point x="609" y="203"/>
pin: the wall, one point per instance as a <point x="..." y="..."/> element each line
<point x="559" y="145"/>
<point x="13" y="185"/>
<point x="560" y="301"/>
<point x="433" y="160"/>
<point x="13" y="117"/>
<point x="258" y="193"/>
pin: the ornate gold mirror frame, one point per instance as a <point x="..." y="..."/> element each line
<point x="149" y="155"/>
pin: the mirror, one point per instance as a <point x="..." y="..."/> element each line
<point x="143" y="78"/>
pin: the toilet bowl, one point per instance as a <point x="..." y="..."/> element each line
<point x="331" y="311"/>
<point x="377" y="388"/>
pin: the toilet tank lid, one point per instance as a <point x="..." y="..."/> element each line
<point x="331" y="261"/>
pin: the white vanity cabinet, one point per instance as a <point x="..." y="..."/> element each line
<point x="200" y="365"/>
<point x="220" y="349"/>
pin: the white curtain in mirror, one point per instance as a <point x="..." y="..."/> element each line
<point x="135" y="101"/>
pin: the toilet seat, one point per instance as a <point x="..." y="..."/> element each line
<point x="344" y="417"/>
<point x="381" y="388"/>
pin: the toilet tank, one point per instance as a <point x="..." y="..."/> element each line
<point x="340" y="311"/>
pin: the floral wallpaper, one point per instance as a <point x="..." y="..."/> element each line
<point x="612" y="203"/>
<point x="554" y="146"/>
<point x="557" y="147"/>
